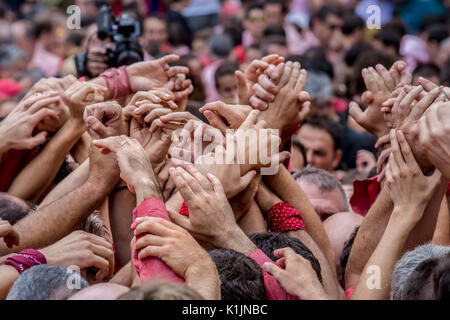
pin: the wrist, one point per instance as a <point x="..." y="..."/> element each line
<point x="236" y="240"/>
<point x="146" y="188"/>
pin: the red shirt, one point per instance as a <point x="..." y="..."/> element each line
<point x="12" y="163"/>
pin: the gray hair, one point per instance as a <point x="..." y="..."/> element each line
<point x="323" y="180"/>
<point x="9" y="54"/>
<point x="406" y="268"/>
<point x="319" y="87"/>
<point x="44" y="282"/>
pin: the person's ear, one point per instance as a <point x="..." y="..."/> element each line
<point x="337" y="158"/>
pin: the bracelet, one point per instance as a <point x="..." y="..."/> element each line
<point x="119" y="189"/>
<point x="118" y="82"/>
<point x="282" y="218"/>
<point x="184" y="210"/>
<point x="26" y="259"/>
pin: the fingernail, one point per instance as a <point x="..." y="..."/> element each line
<point x="138" y="219"/>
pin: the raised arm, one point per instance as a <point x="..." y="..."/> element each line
<point x="411" y="191"/>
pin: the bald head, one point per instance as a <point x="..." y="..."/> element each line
<point x="100" y="291"/>
<point x="339" y="227"/>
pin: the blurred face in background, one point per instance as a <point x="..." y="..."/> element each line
<point x="329" y="31"/>
<point x="154" y="30"/>
<point x="274" y="13"/>
<point x="227" y="88"/>
<point x="256" y="23"/>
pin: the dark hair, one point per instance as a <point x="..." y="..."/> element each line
<point x="355" y="51"/>
<point x="346" y="252"/>
<point x="178" y="35"/>
<point x="315" y="59"/>
<point x="273" y="39"/>
<point x="426" y="70"/>
<point x="430" y="20"/>
<point x="45" y="282"/>
<point x="389" y="38"/>
<point x="268" y="242"/>
<point x="234" y="28"/>
<point x="253" y="6"/>
<point x="367" y="59"/>
<point x="10" y="209"/>
<point x="297" y="144"/>
<point x="241" y="277"/>
<point x="325" y="11"/>
<point x="441" y="279"/>
<point x="334" y="129"/>
<point x="226" y="68"/>
<point x="352" y="22"/>
<point x="284" y="8"/>
<point x="437" y="33"/>
<point x="445" y="73"/>
<point x="42" y="25"/>
<point x="274" y="29"/>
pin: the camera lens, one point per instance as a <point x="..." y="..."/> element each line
<point x="128" y="57"/>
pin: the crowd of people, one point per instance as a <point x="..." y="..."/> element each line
<point x="253" y="150"/>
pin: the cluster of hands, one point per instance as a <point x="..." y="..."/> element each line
<point x="134" y="142"/>
<point x="412" y="125"/>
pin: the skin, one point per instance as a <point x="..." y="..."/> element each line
<point x="296" y="161"/>
<point x="154" y="30"/>
<point x="256" y="23"/>
<point x="325" y="203"/>
<point x="339" y="228"/>
<point x="319" y="147"/>
<point x="411" y="191"/>
<point x="100" y="291"/>
<point x="227" y="88"/>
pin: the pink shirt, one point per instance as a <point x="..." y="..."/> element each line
<point x="151" y="268"/>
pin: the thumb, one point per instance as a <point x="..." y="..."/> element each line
<point x="242" y="87"/>
<point x="246" y="179"/>
<point x="96" y="126"/>
<point x="356" y="112"/>
<point x="179" y="219"/>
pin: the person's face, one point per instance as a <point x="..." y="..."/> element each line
<point x="256" y="23"/>
<point x="252" y="54"/>
<point x="319" y="147"/>
<point x="278" y="49"/>
<point x="227" y="88"/>
<point x="329" y="31"/>
<point x="155" y="30"/>
<point x="296" y="160"/>
<point x="325" y="203"/>
<point x="274" y="13"/>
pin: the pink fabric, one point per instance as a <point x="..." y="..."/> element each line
<point x="209" y="81"/>
<point x="365" y="192"/>
<point x="282" y="218"/>
<point x="117" y="81"/>
<point x="151" y="268"/>
<point x="349" y="292"/>
<point x="9" y="88"/>
<point x="26" y="259"/>
<point x="273" y="290"/>
<point x="46" y="61"/>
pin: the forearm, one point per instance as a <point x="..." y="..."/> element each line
<point x="73" y="181"/>
<point x="80" y="151"/>
<point x="54" y="221"/>
<point x="252" y="221"/>
<point x="238" y="241"/>
<point x="121" y="205"/>
<point x="204" y="279"/>
<point x="370" y="232"/>
<point x="381" y="264"/>
<point x="124" y="276"/>
<point x="34" y="179"/>
<point x="290" y="192"/>
<point x="424" y="230"/>
<point x="441" y="234"/>
<point x="8" y="275"/>
<point x="175" y="202"/>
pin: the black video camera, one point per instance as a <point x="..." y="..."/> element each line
<point x="123" y="33"/>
